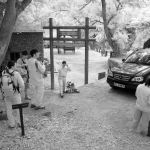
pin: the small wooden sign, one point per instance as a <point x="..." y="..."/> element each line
<point x="20" y="106"/>
<point x="101" y="75"/>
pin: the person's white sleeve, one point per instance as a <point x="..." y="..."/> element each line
<point x="68" y="69"/>
<point x="19" y="61"/>
<point x="20" y="81"/>
<point x="41" y="67"/>
<point x="18" y="65"/>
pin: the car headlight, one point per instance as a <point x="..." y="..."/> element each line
<point x="138" y="79"/>
<point x="110" y="73"/>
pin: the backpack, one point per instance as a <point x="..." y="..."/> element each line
<point x="71" y="88"/>
<point x="7" y="85"/>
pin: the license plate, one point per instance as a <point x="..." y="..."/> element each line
<point x="119" y="85"/>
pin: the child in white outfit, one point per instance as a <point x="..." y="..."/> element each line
<point x="62" y="73"/>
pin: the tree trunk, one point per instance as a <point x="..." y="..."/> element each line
<point x="2" y="7"/>
<point x="8" y="23"/>
<point x="108" y="34"/>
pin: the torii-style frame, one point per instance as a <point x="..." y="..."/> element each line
<point x="52" y="43"/>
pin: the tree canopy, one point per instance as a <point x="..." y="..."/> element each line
<point x="123" y="23"/>
<point x="122" y="17"/>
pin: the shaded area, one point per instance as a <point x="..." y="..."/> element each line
<point x="147" y="44"/>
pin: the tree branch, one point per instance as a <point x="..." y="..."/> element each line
<point x="110" y="19"/>
<point x="85" y="5"/>
<point x="95" y="21"/>
<point x="119" y="5"/>
<point x="22" y="5"/>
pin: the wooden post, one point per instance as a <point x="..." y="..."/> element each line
<point x="58" y="36"/>
<point x="86" y="49"/>
<point x="64" y="46"/>
<point x="51" y="52"/>
<point x="79" y="33"/>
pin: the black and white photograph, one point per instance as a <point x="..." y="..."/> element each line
<point x="74" y="74"/>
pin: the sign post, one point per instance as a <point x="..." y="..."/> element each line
<point x="20" y="106"/>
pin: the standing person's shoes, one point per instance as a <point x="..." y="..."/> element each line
<point x="39" y="107"/>
<point x="33" y="106"/>
<point x="27" y="98"/>
<point x="61" y="95"/>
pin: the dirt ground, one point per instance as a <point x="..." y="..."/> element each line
<point x="97" y="118"/>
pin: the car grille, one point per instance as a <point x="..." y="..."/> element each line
<point x="121" y="77"/>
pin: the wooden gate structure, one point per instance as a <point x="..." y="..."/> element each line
<point x="76" y="38"/>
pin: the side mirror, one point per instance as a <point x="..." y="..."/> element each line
<point x="123" y="60"/>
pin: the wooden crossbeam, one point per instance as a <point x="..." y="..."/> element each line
<point x="69" y="27"/>
<point x="55" y="42"/>
<point x="69" y="44"/>
<point x="66" y="39"/>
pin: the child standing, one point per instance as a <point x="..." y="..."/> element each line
<point x="62" y="73"/>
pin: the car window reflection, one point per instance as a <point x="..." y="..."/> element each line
<point x="139" y="58"/>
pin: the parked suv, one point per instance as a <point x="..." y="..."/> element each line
<point x="132" y="71"/>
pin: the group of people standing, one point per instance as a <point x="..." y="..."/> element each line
<point x="30" y="71"/>
<point x="23" y="72"/>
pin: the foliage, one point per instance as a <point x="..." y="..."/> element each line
<point x="122" y="15"/>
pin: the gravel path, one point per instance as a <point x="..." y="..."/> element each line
<point x="98" y="118"/>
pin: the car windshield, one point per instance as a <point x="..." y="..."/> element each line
<point x="139" y="58"/>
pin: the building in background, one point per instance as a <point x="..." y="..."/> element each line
<point x="21" y="41"/>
